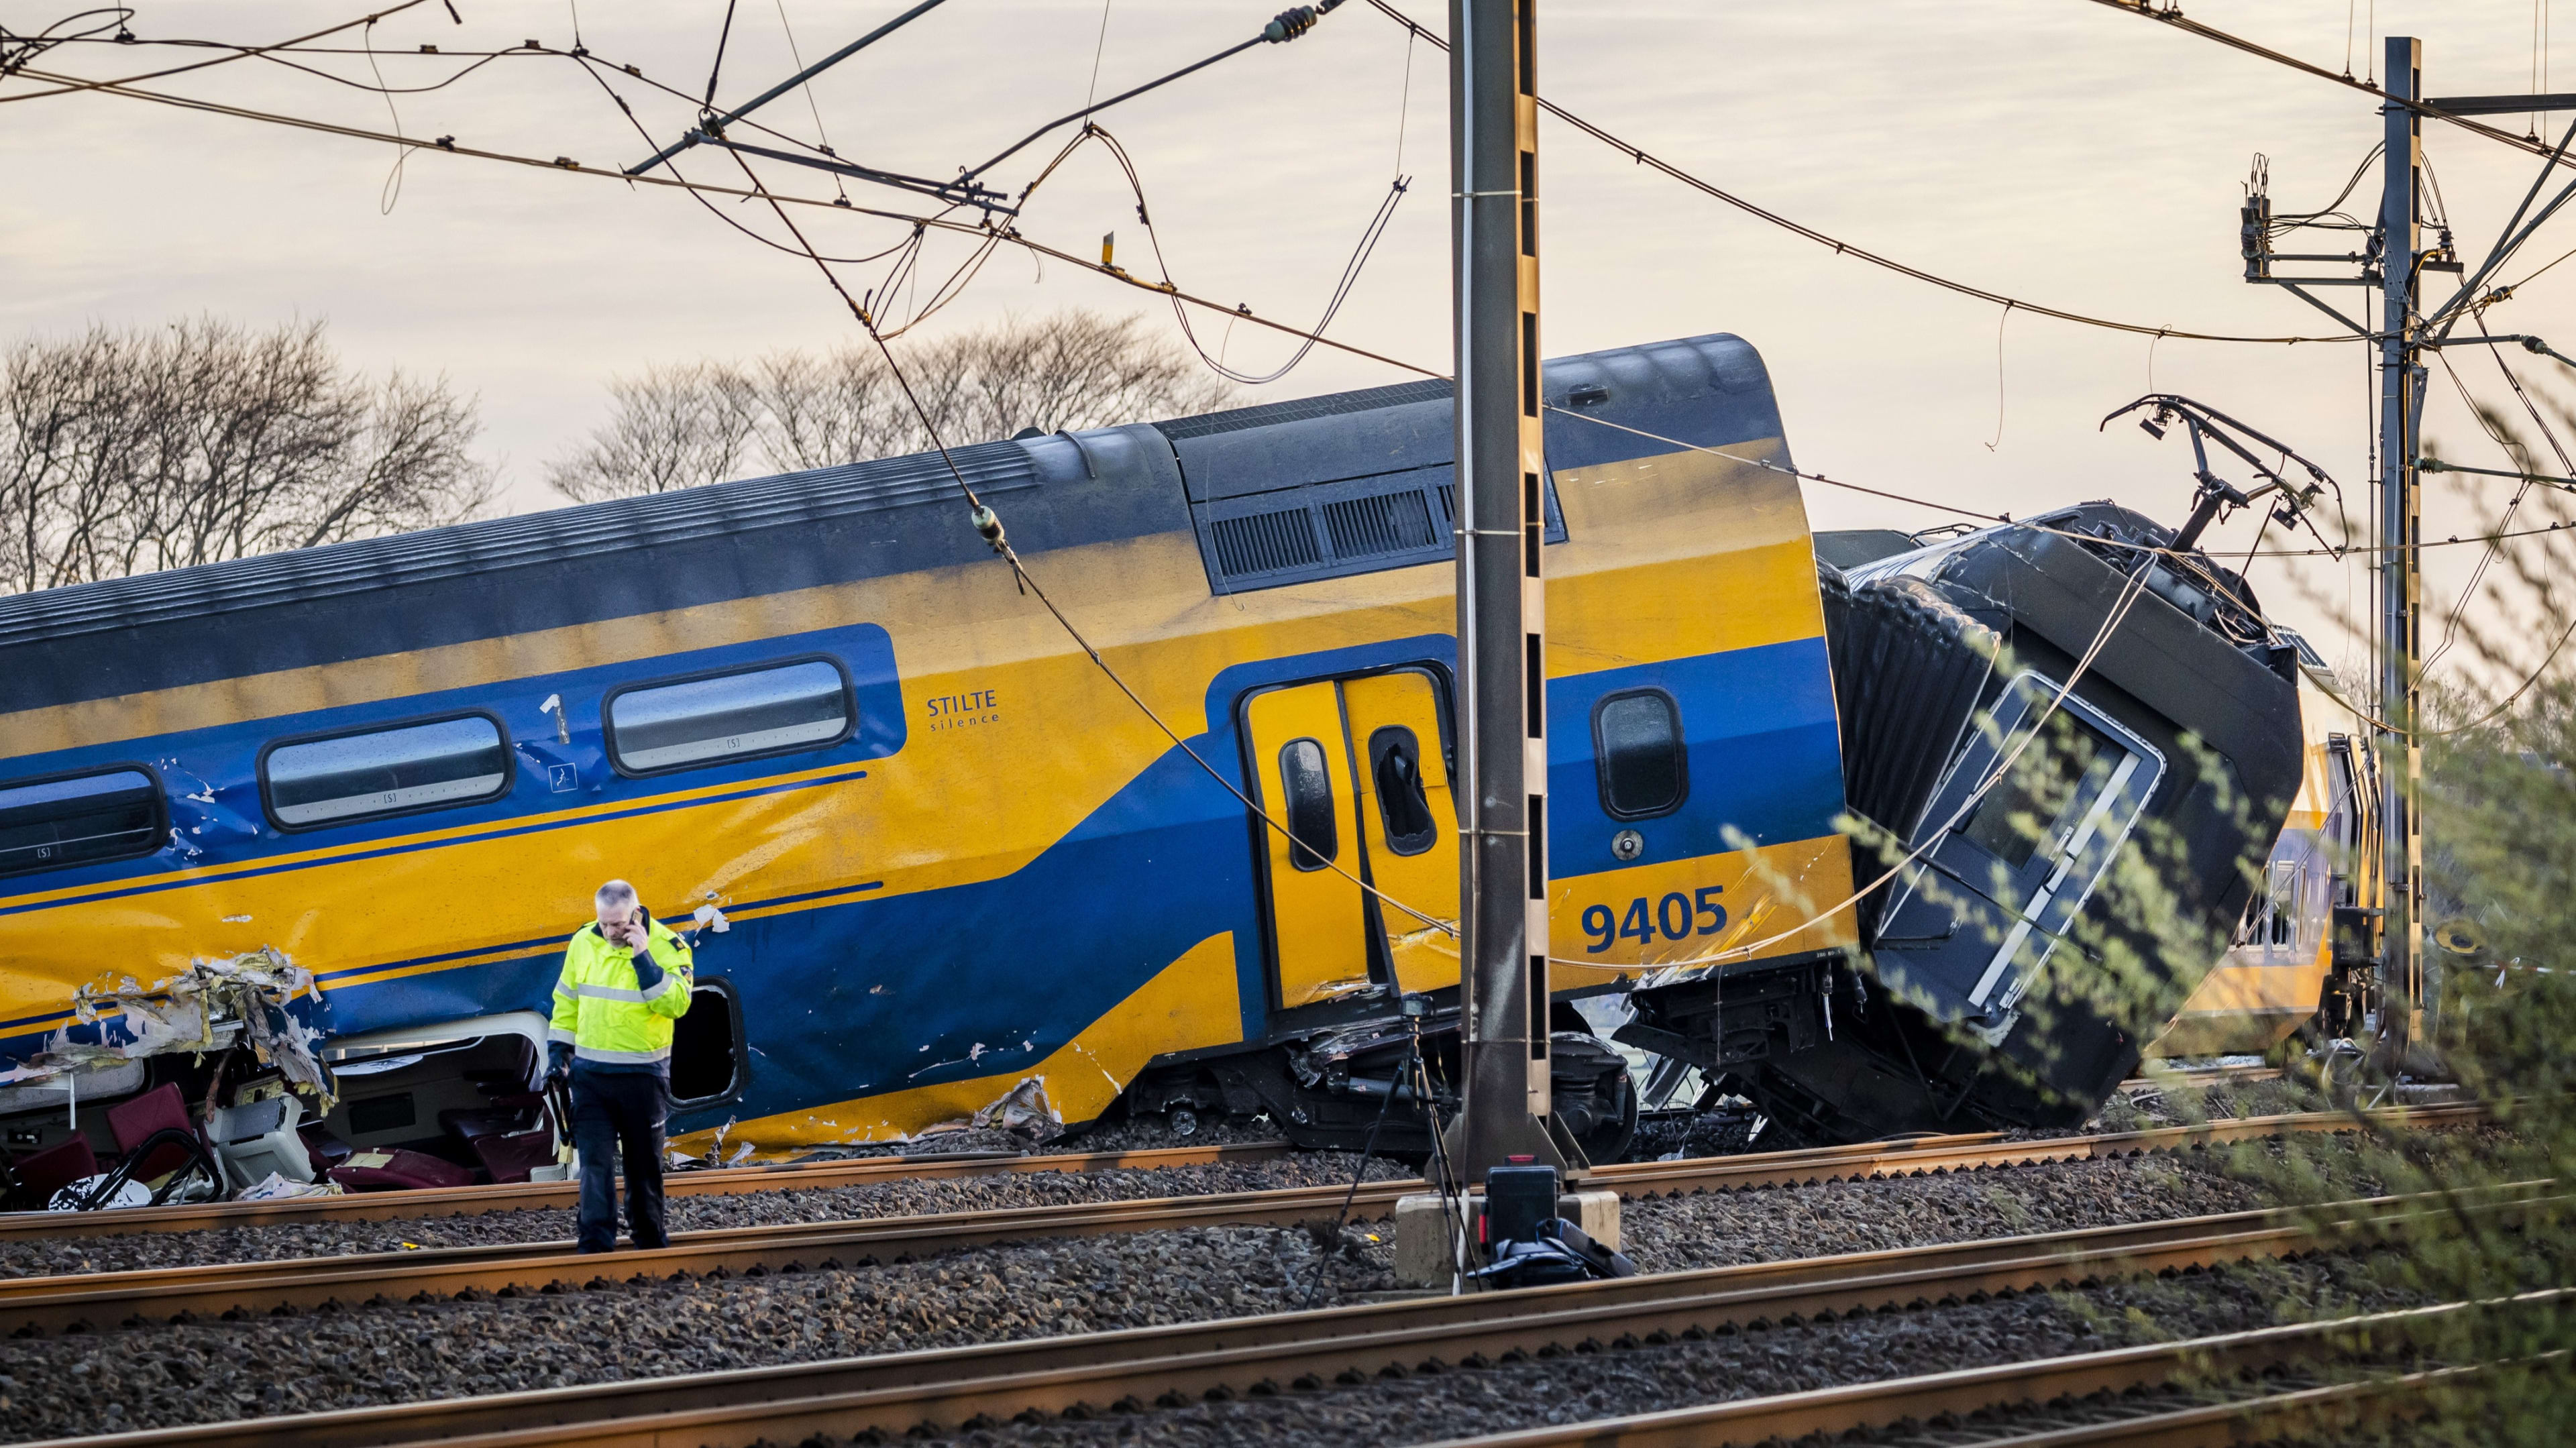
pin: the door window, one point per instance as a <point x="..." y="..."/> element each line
<point x="1310" y="804"/>
<point x="1404" y="810"/>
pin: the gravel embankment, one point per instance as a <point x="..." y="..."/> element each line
<point x="162" y="1376"/>
<point x="1580" y="1387"/>
<point x="904" y="1198"/>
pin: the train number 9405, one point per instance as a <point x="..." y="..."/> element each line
<point x="1676" y="917"/>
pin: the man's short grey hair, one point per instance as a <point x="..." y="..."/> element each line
<point x="616" y="892"/>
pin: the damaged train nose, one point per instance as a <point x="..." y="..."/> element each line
<point x="2017" y="706"/>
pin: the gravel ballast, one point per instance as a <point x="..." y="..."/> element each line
<point x="894" y="1198"/>
<point x="1581" y="1387"/>
<point x="168" y="1375"/>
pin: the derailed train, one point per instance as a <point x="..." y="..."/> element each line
<point x="951" y="857"/>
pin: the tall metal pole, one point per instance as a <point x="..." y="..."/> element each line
<point x="2400" y="539"/>
<point x="1493" y="168"/>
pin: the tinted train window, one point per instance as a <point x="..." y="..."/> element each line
<point x="52" y="823"/>
<point x="1395" y="766"/>
<point x="1310" y="804"/>
<point x="2045" y="798"/>
<point x="386" y="771"/>
<point x="732" y="716"/>
<point x="1637" y="746"/>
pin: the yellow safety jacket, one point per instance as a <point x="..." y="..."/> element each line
<point x="602" y="1009"/>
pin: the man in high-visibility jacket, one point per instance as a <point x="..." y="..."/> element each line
<point x="625" y="979"/>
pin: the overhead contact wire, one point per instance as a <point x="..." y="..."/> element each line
<point x="1656" y="163"/>
<point x="988" y="524"/>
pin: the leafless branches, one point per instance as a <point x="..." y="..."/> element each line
<point x="677" y="427"/>
<point x="127" y="451"/>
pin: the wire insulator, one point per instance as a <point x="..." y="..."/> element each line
<point x="988" y="525"/>
<point x="1289" y="24"/>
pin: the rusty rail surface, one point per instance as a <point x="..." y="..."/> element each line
<point x="944" y="1389"/>
<point x="2192" y="1363"/>
<point x="99" y="1300"/>
<point x="2185" y="1078"/>
<point x="517" y="1196"/>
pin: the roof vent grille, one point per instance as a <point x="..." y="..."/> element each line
<point x="1387" y="523"/>
<point x="1266" y="543"/>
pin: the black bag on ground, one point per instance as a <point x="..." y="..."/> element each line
<point x="1561" y="1252"/>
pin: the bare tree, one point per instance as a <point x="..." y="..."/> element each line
<point x="683" y="426"/>
<point x="125" y="451"/>
<point x="675" y="427"/>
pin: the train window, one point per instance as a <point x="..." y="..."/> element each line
<point x="2281" y="904"/>
<point x="1637" y="746"/>
<point x="773" y="710"/>
<point x="1309" y="787"/>
<point x="47" y="824"/>
<point x="1395" y="765"/>
<point x="706" y="1046"/>
<point x="385" y="771"/>
<point x="2046" y="795"/>
<point x="2343" y="800"/>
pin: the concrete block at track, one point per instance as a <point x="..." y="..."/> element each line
<point x="1423" y="1240"/>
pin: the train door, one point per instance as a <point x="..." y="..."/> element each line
<point x="1301" y="758"/>
<point x="1410" y="820"/>
<point x="1356" y="769"/>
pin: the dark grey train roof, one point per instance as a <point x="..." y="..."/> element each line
<point x="829" y="526"/>
<point x="523" y="540"/>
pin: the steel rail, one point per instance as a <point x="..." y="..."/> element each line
<point x="2170" y="1078"/>
<point x="516" y="1196"/>
<point x="895" y="1393"/>
<point x="2290" y="1412"/>
<point x="1826" y="1412"/>
<point x="97" y="1300"/>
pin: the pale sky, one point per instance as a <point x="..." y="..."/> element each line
<point x="2054" y="150"/>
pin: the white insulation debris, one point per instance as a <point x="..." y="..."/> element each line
<point x="212" y="1005"/>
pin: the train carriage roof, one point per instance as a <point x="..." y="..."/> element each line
<point x="827" y="526"/>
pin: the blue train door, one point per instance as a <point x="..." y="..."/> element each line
<point x="1357" y="770"/>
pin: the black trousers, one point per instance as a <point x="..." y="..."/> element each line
<point x="614" y="1110"/>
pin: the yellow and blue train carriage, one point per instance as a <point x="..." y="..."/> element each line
<point x="949" y="855"/>
<point x="2301" y="958"/>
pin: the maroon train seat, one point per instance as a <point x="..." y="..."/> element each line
<point x="397" y="1171"/>
<point x="46" y="1172"/>
<point x="160" y="1109"/>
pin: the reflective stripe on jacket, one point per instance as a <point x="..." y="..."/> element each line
<point x="602" y="1009"/>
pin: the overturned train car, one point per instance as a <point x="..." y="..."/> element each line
<point x="951" y="859"/>
<point x="950" y="856"/>
<point x="2023" y="708"/>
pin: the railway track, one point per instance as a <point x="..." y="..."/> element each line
<point x="2212" y="1390"/>
<point x="517" y="1196"/>
<point x="89" y="1301"/>
<point x="2181" y="1078"/>
<point x="1169" y="1366"/>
